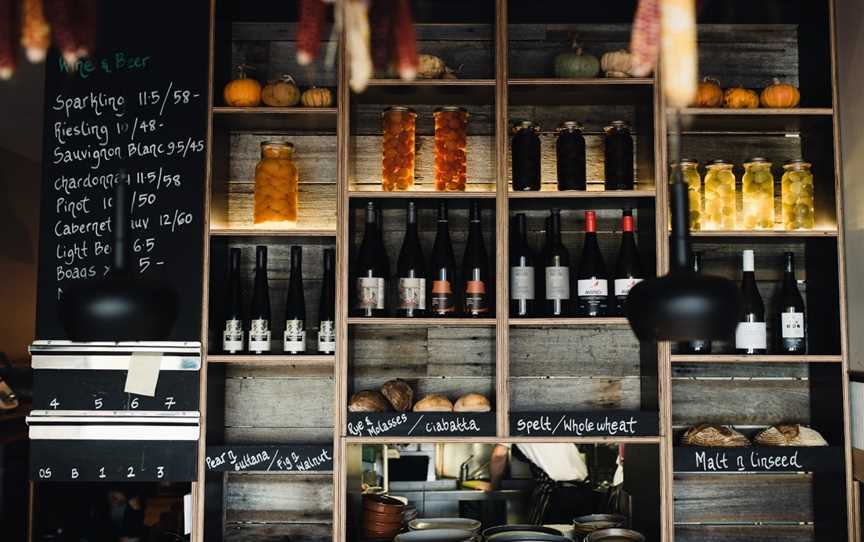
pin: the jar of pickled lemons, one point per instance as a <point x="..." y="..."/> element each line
<point x="757" y="192"/>
<point x="797" y="196"/>
<point x="690" y="175"/>
<point x="276" y="180"/>
<point x="719" y="209"/>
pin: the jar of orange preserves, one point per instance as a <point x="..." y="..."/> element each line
<point x="276" y="180"/>
<point x="451" y="145"/>
<point x="397" y="153"/>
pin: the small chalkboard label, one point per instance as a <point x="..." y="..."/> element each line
<point x="269" y="458"/>
<point x="421" y="424"/>
<point x="609" y="423"/>
<point x="757" y="459"/>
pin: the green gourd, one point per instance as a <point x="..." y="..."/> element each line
<point x="576" y="65"/>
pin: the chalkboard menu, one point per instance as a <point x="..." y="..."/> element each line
<point x="421" y="424"/>
<point x="601" y="423"/>
<point x="759" y="459"/>
<point x="138" y="103"/>
<point x="269" y="458"/>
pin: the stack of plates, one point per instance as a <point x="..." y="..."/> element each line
<point x="585" y="525"/>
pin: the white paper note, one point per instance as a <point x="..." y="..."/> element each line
<point x="143" y="373"/>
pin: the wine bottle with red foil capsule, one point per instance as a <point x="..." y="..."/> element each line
<point x="442" y="269"/>
<point x="628" y="268"/>
<point x="592" y="284"/>
<point x="475" y="269"/>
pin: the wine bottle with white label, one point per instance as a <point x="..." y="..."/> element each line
<point x="791" y="337"/>
<point x="442" y="269"/>
<point x="371" y="286"/>
<point x="411" y="270"/>
<point x="556" y="270"/>
<point x="327" y="305"/>
<point x="382" y="255"/>
<point x="628" y="269"/>
<point x="750" y="335"/>
<point x="259" y="314"/>
<point x="592" y="286"/>
<point x="700" y="346"/>
<point x="294" y="338"/>
<point x="475" y="269"/>
<point x="521" y="271"/>
<point x="233" y="334"/>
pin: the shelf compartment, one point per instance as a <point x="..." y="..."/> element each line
<point x="776" y="459"/>
<point x="731" y="358"/>
<point x="275" y="360"/>
<point x="600" y="91"/>
<point x="569" y="322"/>
<point x="754" y="120"/>
<point x="429" y="425"/>
<point x="277" y="458"/>
<point x="270" y="232"/>
<point x="428" y="91"/>
<point x="421" y="322"/>
<point x="275" y="119"/>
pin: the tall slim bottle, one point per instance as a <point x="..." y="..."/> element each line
<point x="750" y="335"/>
<point x="556" y="263"/>
<point x="294" y="338"/>
<point x="259" y="313"/>
<point x="628" y="268"/>
<point x="521" y="271"/>
<point x="382" y="251"/>
<point x="475" y="269"/>
<point x="411" y="270"/>
<point x="327" y="305"/>
<point x="442" y="269"/>
<point x="791" y="337"/>
<point x="233" y="334"/>
<point x="592" y="285"/>
<point x="696" y="347"/>
<point x="371" y="286"/>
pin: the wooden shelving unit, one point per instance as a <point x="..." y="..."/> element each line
<point x="579" y="365"/>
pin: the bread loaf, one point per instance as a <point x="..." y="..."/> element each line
<point x="472" y="402"/>
<point x="399" y="394"/>
<point x="790" y="435"/>
<point x="434" y="403"/>
<point x="714" y="435"/>
<point x="367" y="401"/>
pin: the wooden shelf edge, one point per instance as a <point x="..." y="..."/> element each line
<point x="267" y="232"/>
<point x="733" y="358"/>
<point x="432" y="83"/>
<point x="224" y="110"/>
<point x="582" y="194"/>
<point x="594" y="82"/>
<point x="284" y="359"/>
<point x="423" y="322"/>
<point x="759" y="112"/>
<point x="568" y="322"/>
<point x="756" y="234"/>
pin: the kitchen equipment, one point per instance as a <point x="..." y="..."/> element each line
<point x="436" y="535"/>
<point x="594" y="522"/>
<point x="500" y="529"/>
<point x="382" y="516"/>
<point x="465" y="524"/>
<point x="615" y="535"/>
<point x="122" y="306"/>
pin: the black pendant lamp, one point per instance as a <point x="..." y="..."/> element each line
<point x="682" y="305"/>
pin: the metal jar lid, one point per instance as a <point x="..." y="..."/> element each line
<point x="526" y="125"/>
<point x="686" y="162"/>
<point x="450" y="109"/>
<point x="617" y="125"/>
<point x="718" y="162"/>
<point x="570" y="126"/>
<point x="757" y="160"/>
<point x="398" y="108"/>
<point x="797" y="163"/>
<point x="277" y="144"/>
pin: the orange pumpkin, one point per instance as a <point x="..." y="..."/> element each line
<point x="242" y="91"/>
<point x="740" y="98"/>
<point x="317" y="97"/>
<point x="282" y="92"/>
<point x="709" y="93"/>
<point x="780" y="95"/>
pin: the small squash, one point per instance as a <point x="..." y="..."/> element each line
<point x="242" y="91"/>
<point x="282" y="92"/>
<point x="617" y="63"/>
<point x="429" y="67"/>
<point x="740" y="98"/>
<point x="317" y="97"/>
<point x="709" y="93"/>
<point x="780" y="95"/>
<point x="576" y="65"/>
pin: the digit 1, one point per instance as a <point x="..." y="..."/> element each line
<point x="102" y="473"/>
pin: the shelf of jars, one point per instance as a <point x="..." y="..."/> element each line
<point x="283" y="360"/>
<point x="600" y="321"/>
<point x="421" y="322"/>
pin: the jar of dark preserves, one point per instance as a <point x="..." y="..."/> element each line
<point x="525" y="148"/>
<point x="619" y="156"/>
<point x="570" y="152"/>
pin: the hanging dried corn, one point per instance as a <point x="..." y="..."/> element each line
<point x="405" y="41"/>
<point x="35" y="30"/>
<point x="313" y="17"/>
<point x="86" y="27"/>
<point x="645" y="38"/>
<point x="7" y="43"/>
<point x="678" y="60"/>
<point x="58" y="12"/>
<point x="381" y="20"/>
<point x="357" y="43"/>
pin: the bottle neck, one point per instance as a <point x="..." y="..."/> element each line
<point x="296" y="261"/>
<point x="261" y="258"/>
<point x="555" y="229"/>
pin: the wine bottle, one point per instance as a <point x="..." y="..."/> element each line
<point x="521" y="271"/>
<point x="628" y="268"/>
<point x="233" y="334"/>
<point x="475" y="268"/>
<point x="592" y="286"/>
<point x="442" y="267"/>
<point x="700" y="346"/>
<point x="295" y="308"/>
<point x="411" y="269"/>
<point x="791" y="317"/>
<point x="382" y="253"/>
<point x="327" y="306"/>
<point x="259" y="315"/>
<point x="750" y="335"/>
<point x="556" y="261"/>
<point x="371" y="272"/>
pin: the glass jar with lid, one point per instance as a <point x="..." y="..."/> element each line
<point x="397" y="152"/>
<point x="690" y="175"/>
<point x="757" y="195"/>
<point x="276" y="185"/>
<point x="796" y="192"/>
<point x="618" y="151"/>
<point x="570" y="154"/>
<point x="525" y="156"/>
<point x="451" y="142"/>
<point x="719" y="209"/>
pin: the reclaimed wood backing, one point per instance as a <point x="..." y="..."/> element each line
<point x="577" y="393"/>
<point x="737" y="533"/>
<point x="609" y="352"/>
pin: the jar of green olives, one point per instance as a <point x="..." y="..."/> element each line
<point x="719" y="211"/>
<point x="690" y="175"/>
<point x="757" y="190"/>
<point x="797" y="196"/>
